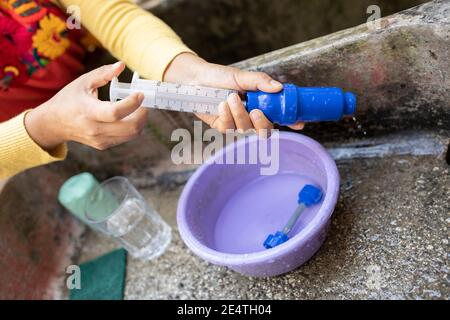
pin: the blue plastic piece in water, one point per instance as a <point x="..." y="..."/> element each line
<point x="293" y="104"/>
<point x="310" y="195"/>
<point x="276" y="239"/>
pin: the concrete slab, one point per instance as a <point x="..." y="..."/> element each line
<point x="388" y="239"/>
<point x="399" y="71"/>
<point x="38" y="240"/>
<point x="226" y="31"/>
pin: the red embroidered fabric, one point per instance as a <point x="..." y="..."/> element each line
<point x="39" y="55"/>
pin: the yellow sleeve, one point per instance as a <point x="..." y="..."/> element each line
<point x="19" y="152"/>
<point x="145" y="43"/>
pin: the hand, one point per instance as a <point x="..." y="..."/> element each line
<point x="76" y="114"/>
<point x="187" y="68"/>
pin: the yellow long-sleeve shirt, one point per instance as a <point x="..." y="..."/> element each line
<point x="131" y="34"/>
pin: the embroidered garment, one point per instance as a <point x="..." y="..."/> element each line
<point x="38" y="53"/>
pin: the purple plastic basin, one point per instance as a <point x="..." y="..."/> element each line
<point x="226" y="211"/>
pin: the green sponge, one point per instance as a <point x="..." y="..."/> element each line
<point x="102" y="278"/>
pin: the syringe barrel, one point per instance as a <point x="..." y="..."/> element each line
<point x="293" y="104"/>
<point x="171" y="96"/>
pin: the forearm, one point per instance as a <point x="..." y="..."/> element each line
<point x="18" y="150"/>
<point x="133" y="35"/>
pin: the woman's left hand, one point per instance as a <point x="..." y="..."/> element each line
<point x="187" y="68"/>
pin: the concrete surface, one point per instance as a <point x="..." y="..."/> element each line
<point x="400" y="72"/>
<point x="38" y="240"/>
<point x="388" y="240"/>
<point x="389" y="234"/>
<point x="391" y="222"/>
<point x="226" y="31"/>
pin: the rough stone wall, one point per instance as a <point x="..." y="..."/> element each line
<point x="385" y="67"/>
<point x="226" y="31"/>
<point x="401" y="72"/>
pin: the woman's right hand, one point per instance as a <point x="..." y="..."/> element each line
<point x="76" y="114"/>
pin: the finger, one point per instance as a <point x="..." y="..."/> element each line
<point x="106" y="111"/>
<point x="256" y="81"/>
<point x="207" y="118"/>
<point x="101" y="76"/>
<point x="297" y="126"/>
<point x="262" y="125"/>
<point x="240" y="115"/>
<point x="131" y="125"/>
<point x="225" y="119"/>
<point x="112" y="142"/>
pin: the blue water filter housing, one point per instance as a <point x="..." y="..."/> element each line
<point x="310" y="104"/>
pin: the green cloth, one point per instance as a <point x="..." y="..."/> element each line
<point x="102" y="278"/>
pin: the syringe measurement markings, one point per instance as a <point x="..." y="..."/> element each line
<point x="179" y="97"/>
<point x="200" y="99"/>
<point x="167" y="100"/>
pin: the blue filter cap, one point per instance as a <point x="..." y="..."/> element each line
<point x="276" y="239"/>
<point x="310" y="195"/>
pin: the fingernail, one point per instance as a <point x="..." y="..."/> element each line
<point x="234" y="99"/>
<point x="140" y="97"/>
<point x="256" y="115"/>
<point x="275" y="83"/>
<point x="222" y="110"/>
<point x="117" y="64"/>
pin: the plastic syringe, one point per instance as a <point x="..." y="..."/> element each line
<point x="290" y="105"/>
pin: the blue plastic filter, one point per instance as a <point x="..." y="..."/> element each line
<point x="310" y="195"/>
<point x="306" y="104"/>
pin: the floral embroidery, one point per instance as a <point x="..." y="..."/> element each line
<point x="24" y="11"/>
<point x="32" y="33"/>
<point x="11" y="70"/>
<point x="51" y="39"/>
<point x="16" y="41"/>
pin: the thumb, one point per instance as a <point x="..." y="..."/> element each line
<point x="253" y="81"/>
<point x="101" y="76"/>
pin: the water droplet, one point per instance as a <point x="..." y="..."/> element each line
<point x="359" y="126"/>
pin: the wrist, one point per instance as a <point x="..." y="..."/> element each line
<point x="184" y="68"/>
<point x="42" y="129"/>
